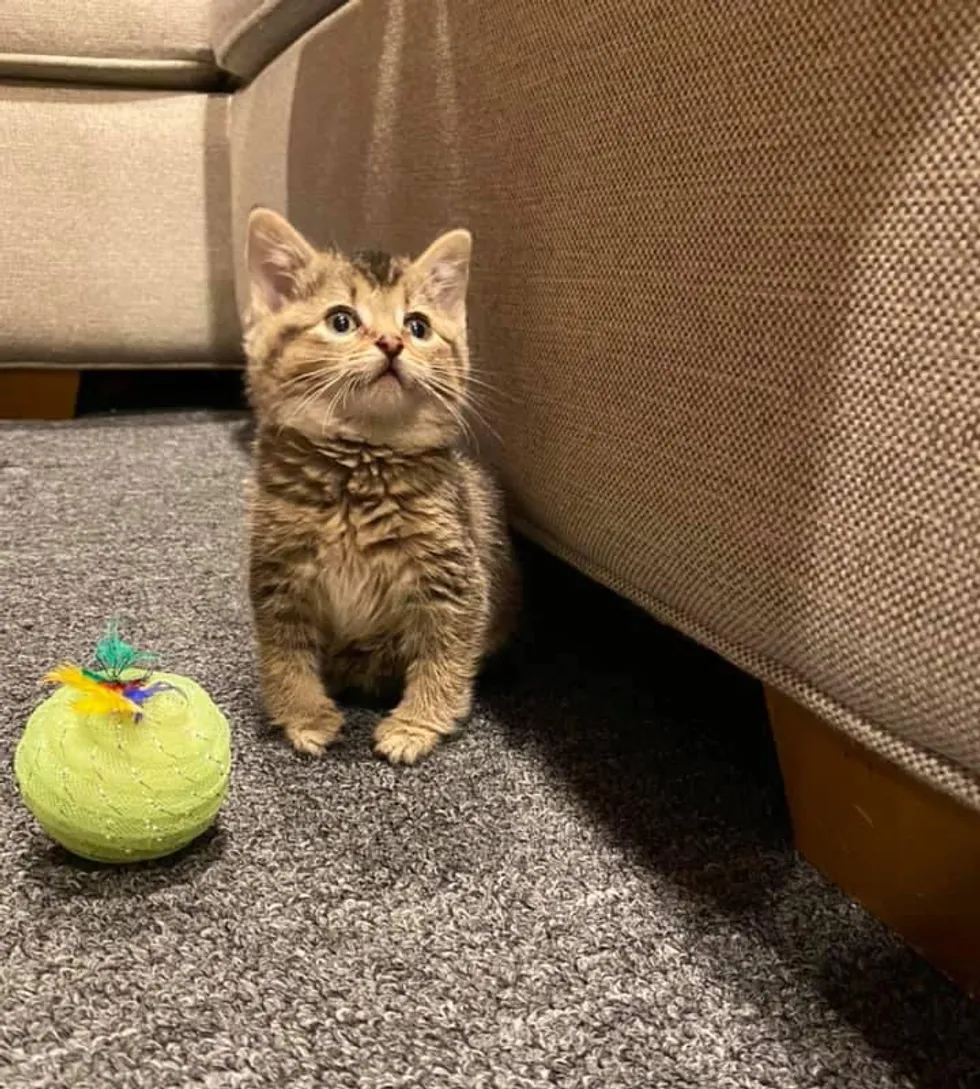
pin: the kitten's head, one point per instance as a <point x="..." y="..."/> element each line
<point x="371" y="347"/>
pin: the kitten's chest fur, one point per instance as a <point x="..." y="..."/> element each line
<point x="356" y="537"/>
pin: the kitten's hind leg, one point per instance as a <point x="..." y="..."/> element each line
<point x="292" y="691"/>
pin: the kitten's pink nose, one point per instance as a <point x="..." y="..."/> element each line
<point x="391" y="346"/>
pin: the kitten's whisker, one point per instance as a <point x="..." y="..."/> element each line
<point x="301" y="379"/>
<point x="478" y="377"/>
<point x="288" y="420"/>
<point x="485" y="422"/>
<point x="468" y="401"/>
<point x="474" y="402"/>
<point x="446" y="395"/>
<point x="485" y="387"/>
<point x="318" y="391"/>
<point x="470" y="404"/>
<point x="307" y="397"/>
<point x="471" y="379"/>
<point x="347" y="387"/>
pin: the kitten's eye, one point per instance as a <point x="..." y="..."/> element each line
<point x="342" y="320"/>
<point x="418" y="325"/>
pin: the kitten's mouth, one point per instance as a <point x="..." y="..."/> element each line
<point x="384" y="390"/>
<point x="390" y="375"/>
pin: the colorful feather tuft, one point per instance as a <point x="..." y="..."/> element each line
<point x="114" y="656"/>
<point x="104" y="690"/>
<point x="94" y="697"/>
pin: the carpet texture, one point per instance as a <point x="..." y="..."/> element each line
<point x="591" y="887"/>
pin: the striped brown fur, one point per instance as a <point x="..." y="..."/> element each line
<point x="378" y="548"/>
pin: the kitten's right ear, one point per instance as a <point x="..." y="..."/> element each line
<point x="276" y="254"/>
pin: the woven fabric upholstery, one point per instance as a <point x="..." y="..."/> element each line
<point x="115" y="241"/>
<point x="244" y="34"/>
<point x="248" y="33"/>
<point x="727" y="276"/>
<point x="140" y="43"/>
<point x="130" y="29"/>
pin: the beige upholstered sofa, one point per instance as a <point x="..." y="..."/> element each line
<point x="727" y="276"/>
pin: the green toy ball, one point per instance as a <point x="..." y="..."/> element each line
<point x="123" y="763"/>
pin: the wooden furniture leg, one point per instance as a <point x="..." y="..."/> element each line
<point x="909" y="853"/>
<point x="38" y="393"/>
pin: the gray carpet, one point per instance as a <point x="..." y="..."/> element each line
<point x="591" y="887"/>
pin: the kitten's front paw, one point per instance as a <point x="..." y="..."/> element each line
<point x="313" y="735"/>
<point x="402" y="742"/>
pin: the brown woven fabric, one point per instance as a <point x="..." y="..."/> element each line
<point x="727" y="276"/>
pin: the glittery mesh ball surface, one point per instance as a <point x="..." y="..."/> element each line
<point x="114" y="788"/>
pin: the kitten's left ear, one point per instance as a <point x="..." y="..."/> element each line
<point x="442" y="272"/>
<point x="276" y="254"/>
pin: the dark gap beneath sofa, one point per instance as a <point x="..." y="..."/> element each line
<point x="106" y="391"/>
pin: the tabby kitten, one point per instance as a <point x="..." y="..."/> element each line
<point x="378" y="548"/>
